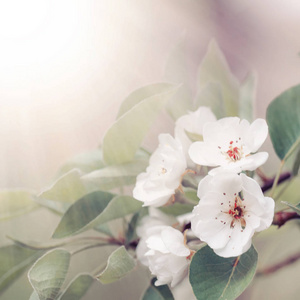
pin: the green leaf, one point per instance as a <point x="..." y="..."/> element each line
<point x="34" y="296"/>
<point x="141" y="94"/>
<point x="13" y="262"/>
<point x="296" y="165"/>
<point x="115" y="175"/>
<point x="15" y="202"/>
<point x="295" y="208"/>
<point x="48" y="273"/>
<point x="214" y="68"/>
<point x="211" y="95"/>
<point x="284" y="122"/>
<point x="177" y="209"/>
<point x="78" y="287"/>
<point x="119" y="264"/>
<point x="85" y="162"/>
<point x="213" y="277"/>
<point x="161" y="292"/>
<point x="124" y="137"/>
<point x="94" y="209"/>
<point x="247" y="97"/>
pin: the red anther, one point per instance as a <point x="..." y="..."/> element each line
<point x="231" y="143"/>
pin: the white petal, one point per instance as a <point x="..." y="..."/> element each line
<point x="205" y="155"/>
<point x="174" y="241"/>
<point x="254" y="161"/>
<point x="259" y="131"/>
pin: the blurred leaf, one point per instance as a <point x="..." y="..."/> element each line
<point x="94" y="209"/>
<point x="119" y="264"/>
<point x="214" y="68"/>
<point x="211" y="96"/>
<point x="13" y="262"/>
<point x="141" y="94"/>
<point x="296" y="165"/>
<point x="85" y="162"/>
<point x="191" y="194"/>
<point x="49" y="272"/>
<point x="247" y="97"/>
<point x="15" y="202"/>
<point x="284" y="122"/>
<point x="177" y="209"/>
<point x="78" y="287"/>
<point x="293" y="207"/>
<point x="34" y="296"/>
<point x="161" y="292"/>
<point x="131" y="231"/>
<point x="124" y="137"/>
<point x="214" y="277"/>
<point x="115" y="175"/>
<point x="68" y="188"/>
<point x="194" y="137"/>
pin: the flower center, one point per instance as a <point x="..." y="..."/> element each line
<point x="234" y="153"/>
<point x="237" y="212"/>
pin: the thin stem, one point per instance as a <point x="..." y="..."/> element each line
<point x="88" y="247"/>
<point x="277" y="177"/>
<point x="280" y="265"/>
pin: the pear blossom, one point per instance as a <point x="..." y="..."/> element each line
<point x="168" y="256"/>
<point x="163" y="175"/>
<point x="193" y="123"/>
<point x="231" y="209"/>
<point x="230" y="143"/>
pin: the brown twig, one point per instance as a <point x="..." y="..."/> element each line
<point x="281" y="217"/>
<point x="280" y="265"/>
<point x="269" y="183"/>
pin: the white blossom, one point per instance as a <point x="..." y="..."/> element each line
<point x="230" y="144"/>
<point x="232" y="208"/>
<point x="168" y="256"/>
<point x="192" y="123"/>
<point x="163" y="175"/>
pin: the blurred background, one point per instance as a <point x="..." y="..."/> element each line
<point x="65" y="66"/>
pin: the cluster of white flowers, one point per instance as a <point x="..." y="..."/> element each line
<point x="232" y="206"/>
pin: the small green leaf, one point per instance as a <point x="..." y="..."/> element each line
<point x="295" y="208"/>
<point x="284" y="122"/>
<point x="214" y="68"/>
<point x="247" y="97"/>
<point x="213" y="277"/>
<point x="115" y="175"/>
<point x="85" y="162"/>
<point x="49" y="272"/>
<point x="78" y="287"/>
<point x="141" y="94"/>
<point x="194" y="137"/>
<point x="211" y="95"/>
<point x="15" y="202"/>
<point x="13" y="262"/>
<point x="124" y="137"/>
<point x="34" y="296"/>
<point x="161" y="292"/>
<point x="82" y="213"/>
<point x="119" y="264"/>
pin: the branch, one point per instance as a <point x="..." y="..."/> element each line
<point x="269" y="183"/>
<point x="280" y="265"/>
<point x="281" y="217"/>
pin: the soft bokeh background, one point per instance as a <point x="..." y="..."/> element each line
<point x="65" y="66"/>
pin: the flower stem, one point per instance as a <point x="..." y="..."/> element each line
<point x="277" y="177"/>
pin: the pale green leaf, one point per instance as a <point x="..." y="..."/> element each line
<point x="85" y="162"/>
<point x="247" y="97"/>
<point x="177" y="209"/>
<point x="15" y="202"/>
<point x="211" y="96"/>
<point x="124" y="137"/>
<point x="119" y="264"/>
<point x="161" y="292"/>
<point x="213" y="277"/>
<point x="214" y="68"/>
<point x="34" y="296"/>
<point x="141" y="94"/>
<point x="296" y="165"/>
<point x="295" y="208"/>
<point x="115" y="175"/>
<point x="94" y="209"/>
<point x="14" y="260"/>
<point x="49" y="272"/>
<point x="78" y="287"/>
<point x="283" y="117"/>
